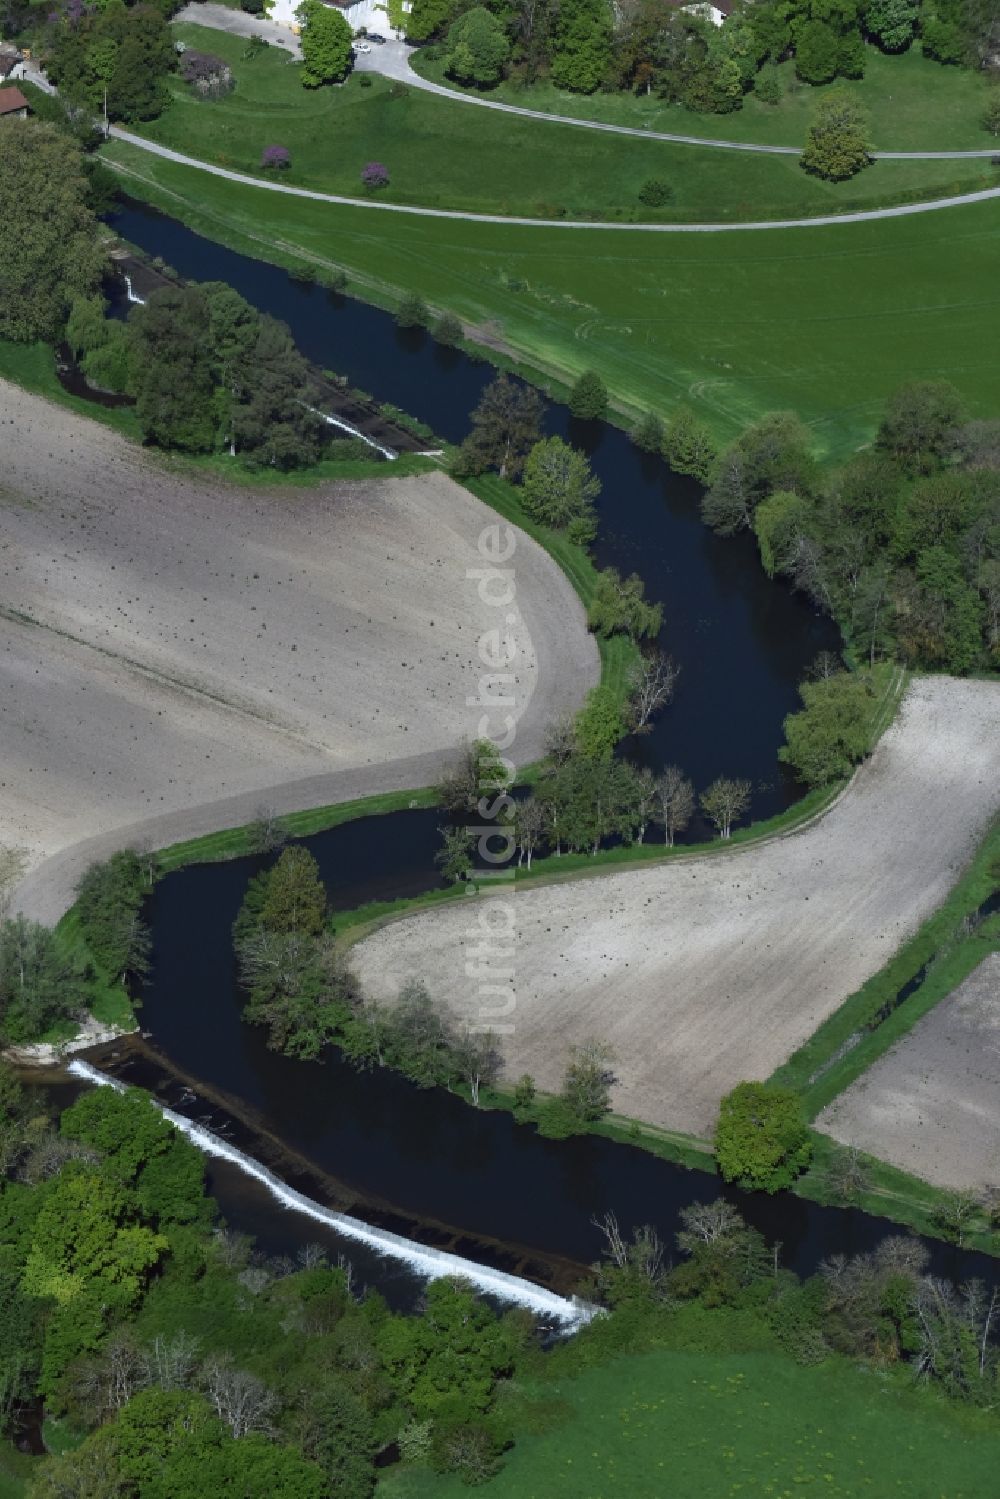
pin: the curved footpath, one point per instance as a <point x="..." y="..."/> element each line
<point x="823" y="220"/>
<point x="392" y="60"/>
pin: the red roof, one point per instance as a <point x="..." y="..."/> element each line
<point x="11" y="100"/>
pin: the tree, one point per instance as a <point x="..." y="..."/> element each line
<point x="588" y="400"/>
<point x="772" y="454"/>
<point x="342" y="1440"/>
<point x="559" y="490"/>
<point x="293" y="895"/>
<point x="675" y="795"/>
<point x="991" y="114"/>
<point x="832" y="732"/>
<point x="326" y="42"/>
<point x="478" y="47"/>
<point x="919" y="424"/>
<point x="589" y="1078"/>
<point x="837" y="143"/>
<point x="479" y="1058"/>
<point x="109" y="903"/>
<point x="581" y="52"/>
<point x="761" y="1139"/>
<point x="939" y="617"/>
<point x="49" y="254"/>
<point x="779" y="524"/>
<point x="600" y="724"/>
<point x="647" y="434"/>
<point x="688" y="445"/>
<point x="428" y="17"/>
<point x="448" y="330"/>
<point x="891" y="23"/>
<point x="39" y="983"/>
<point x="170" y="370"/>
<point x="724" y="802"/>
<point x="142" y="1150"/>
<point x="817" y="49"/>
<point x="478" y="774"/>
<point x="505" y="427"/>
<point x="529" y="828"/>
<point x="413" y="312"/>
<point x="651" y="685"/>
<point x="454" y="857"/>
<point x="619" y="606"/>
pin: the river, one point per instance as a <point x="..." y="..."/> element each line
<point x="425" y="1160"/>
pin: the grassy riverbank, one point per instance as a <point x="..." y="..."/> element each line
<point x="441" y="153"/>
<point x="733" y="324"/>
<point x="913" y="103"/>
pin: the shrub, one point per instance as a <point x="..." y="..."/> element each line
<point x="448" y="330"/>
<point x="278" y="157"/>
<point x="589" y="397"/>
<point x="365" y="80"/>
<point x="374" y="176"/>
<point x="209" y="76"/>
<point x="767" y="86"/>
<point x="413" y="312"/>
<point x="655" y="192"/>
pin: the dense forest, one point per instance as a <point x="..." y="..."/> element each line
<point x="654" y="47"/>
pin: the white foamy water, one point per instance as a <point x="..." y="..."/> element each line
<point x="432" y="1264"/>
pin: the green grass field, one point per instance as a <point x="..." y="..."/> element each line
<point x="705" y="1426"/>
<point x="913" y="103"/>
<point x="826" y="321"/>
<point x="445" y="154"/>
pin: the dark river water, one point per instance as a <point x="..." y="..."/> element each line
<point x="743" y="644"/>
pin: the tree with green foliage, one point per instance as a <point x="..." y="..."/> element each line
<point x="589" y="1078"/>
<point x="725" y="802"/>
<point x="991" y="114"/>
<point x="39" y="983"/>
<point x="600" y="724"/>
<point x="113" y="56"/>
<point x="778" y="523"/>
<point x="939" y="616"/>
<point x="588" y="400"/>
<point x="619" y="606"/>
<point x="326" y="42"/>
<point x="454" y="857"/>
<point x="688" y="445"/>
<point x="49" y="253"/>
<point x="761" y="1139"/>
<point x="142" y="1150"/>
<point x="581" y="50"/>
<point x="891" y="23"/>
<point x="559" y="490"/>
<point x="478" y="48"/>
<point x="648" y="433"/>
<point x="419" y="1038"/>
<point x="427" y="18"/>
<point x="832" y="732"/>
<point x="817" y="52"/>
<point x="773" y="454"/>
<point x="294" y="896"/>
<point x="480" y="772"/>
<point x="837" y="143"/>
<point x="170" y="370"/>
<point x="920" y="424"/>
<point x="109" y="904"/>
<point x="676" y="800"/>
<point x="505" y="427"/>
<point x="448" y="330"/>
<point x="341" y="1440"/>
<point x="413" y="312"/>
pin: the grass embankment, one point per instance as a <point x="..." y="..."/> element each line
<point x="442" y="153"/>
<point x="818" y="319"/>
<point x="692" y="1423"/>
<point x="913" y="103"/>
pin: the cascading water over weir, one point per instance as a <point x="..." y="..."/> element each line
<point x="569" y="1313"/>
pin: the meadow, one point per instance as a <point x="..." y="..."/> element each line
<point x="690" y="1424"/>
<point x="912" y="102"/>
<point x="445" y="154"/>
<point x="825" y="320"/>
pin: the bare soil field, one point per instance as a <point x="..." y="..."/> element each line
<point x="931" y="1105"/>
<point x="705" y="971"/>
<point x="172" y="648"/>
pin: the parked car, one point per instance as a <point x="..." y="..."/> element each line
<point x="373" y="36"/>
<point x="361" y="46"/>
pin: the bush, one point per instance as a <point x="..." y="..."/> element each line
<point x="413" y="312"/>
<point x="831" y="733"/>
<point x="647" y="434"/>
<point x="448" y="330"/>
<point x="211" y="77"/>
<point x="767" y="86"/>
<point x="589" y="397"/>
<point x="655" y="192"/>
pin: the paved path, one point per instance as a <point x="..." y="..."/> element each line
<point x="867" y="216"/>
<point x="393" y="61"/>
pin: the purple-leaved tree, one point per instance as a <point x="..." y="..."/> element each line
<point x="276" y="156"/>
<point x="375" y="175"/>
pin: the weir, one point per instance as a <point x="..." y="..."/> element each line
<point x="570" y="1313"/>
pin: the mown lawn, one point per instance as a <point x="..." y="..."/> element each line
<point x="913" y="103"/>
<point x="705" y="1426"/>
<point x="446" y="154"/>
<point x="826" y="321"/>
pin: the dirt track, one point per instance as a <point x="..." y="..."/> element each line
<point x="708" y="971"/>
<point x="172" y="647"/>
<point x="931" y="1105"/>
